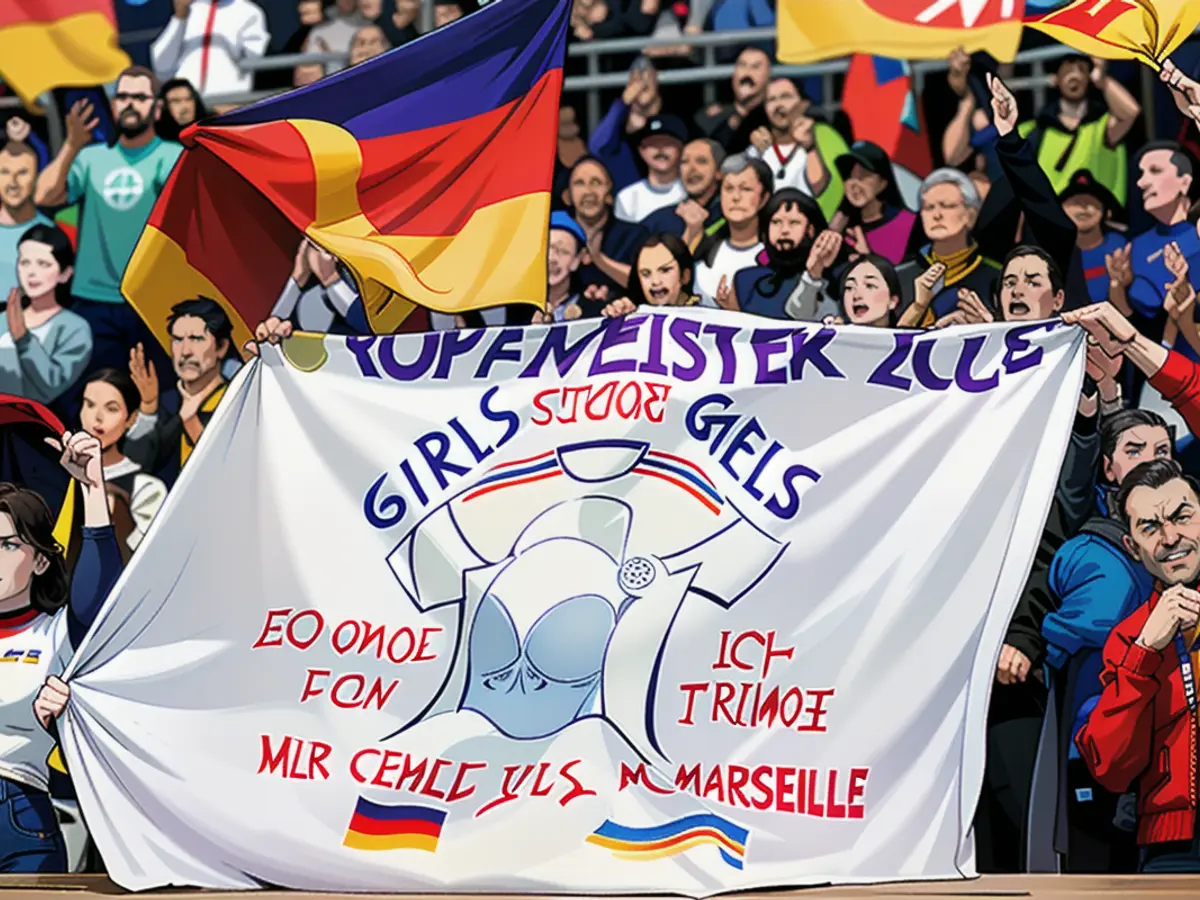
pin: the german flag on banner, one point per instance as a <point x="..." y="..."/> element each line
<point x="45" y="44"/>
<point x="427" y="171"/>
<point x="1148" y="30"/>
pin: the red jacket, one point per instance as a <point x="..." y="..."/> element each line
<point x="1141" y="726"/>
<point x="1179" y="383"/>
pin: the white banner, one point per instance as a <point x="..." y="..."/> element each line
<point x="687" y="602"/>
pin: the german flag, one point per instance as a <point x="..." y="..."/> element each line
<point x="427" y="171"/>
<point x="45" y="44"/>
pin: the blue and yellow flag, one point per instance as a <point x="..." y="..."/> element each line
<point x="427" y="171"/>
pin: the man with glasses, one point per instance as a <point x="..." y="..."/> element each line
<point x="117" y="186"/>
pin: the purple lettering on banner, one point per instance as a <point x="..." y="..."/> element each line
<point x="922" y="366"/>
<point x="654" y="364"/>
<point x="808" y="347"/>
<point x="885" y="373"/>
<point x="361" y="347"/>
<point x="723" y="336"/>
<point x="767" y="342"/>
<point x="618" y="331"/>
<point x="686" y="333"/>
<point x="455" y="343"/>
<point x="399" y="371"/>
<point x="498" y="351"/>
<point x="555" y="341"/>
<point x="963" y="377"/>
<point x="1015" y="342"/>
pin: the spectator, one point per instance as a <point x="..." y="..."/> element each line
<point x="623" y="18"/>
<point x="1030" y="289"/>
<point x="307" y="73"/>
<point x="110" y="406"/>
<point x="793" y="279"/>
<point x="19" y="131"/>
<point x="18" y="173"/>
<point x="564" y="255"/>
<point x="732" y="124"/>
<point x="369" y="42"/>
<point x="873" y="207"/>
<point x="663" y="269"/>
<point x="1097" y="585"/>
<point x="660" y="144"/>
<point x="181" y="106"/>
<point x="700" y="170"/>
<point x="208" y="42"/>
<point x="404" y="20"/>
<point x="571" y="148"/>
<point x="310" y="13"/>
<point x="447" y="11"/>
<point x="318" y="297"/>
<point x="787" y="142"/>
<point x="44" y="349"/>
<point x="163" y="436"/>
<point x="629" y="114"/>
<point x="746" y="186"/>
<point x="1080" y="130"/>
<point x="336" y="33"/>
<point x="1091" y="207"/>
<point x="118" y="187"/>
<point x="611" y="242"/>
<point x="870" y="292"/>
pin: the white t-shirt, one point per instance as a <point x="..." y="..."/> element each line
<point x="210" y="45"/>
<point x="728" y="261"/>
<point x="31" y="650"/>
<point x="641" y="198"/>
<point x="793" y="163"/>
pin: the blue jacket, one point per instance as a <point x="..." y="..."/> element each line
<point x="1098" y="586"/>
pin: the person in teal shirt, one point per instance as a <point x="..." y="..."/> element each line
<point x="116" y="187"/>
<point x="18" y="171"/>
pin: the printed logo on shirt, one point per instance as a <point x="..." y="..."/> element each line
<point x="123" y="188"/>
<point x="25" y="656"/>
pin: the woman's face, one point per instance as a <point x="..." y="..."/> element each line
<point x="38" y="270"/>
<point x="104" y="415"/>
<point x="19" y="562"/>
<point x="662" y="282"/>
<point x="863" y="186"/>
<point x="866" y="298"/>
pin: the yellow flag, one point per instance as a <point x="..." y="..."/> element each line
<point x="813" y="30"/>
<point x="1148" y="30"/>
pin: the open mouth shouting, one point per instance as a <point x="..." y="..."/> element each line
<point x="1018" y="308"/>
<point x="859" y="310"/>
<point x="659" y="294"/>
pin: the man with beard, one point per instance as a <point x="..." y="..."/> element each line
<point x="800" y="251"/>
<point x="18" y="171"/>
<point x="732" y="124"/>
<point x="1083" y="128"/>
<point x="1143" y="727"/>
<point x="611" y="243"/>
<point x="700" y="170"/>
<point x="118" y="187"/>
<point x="659" y="144"/>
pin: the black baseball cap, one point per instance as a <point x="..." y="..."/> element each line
<point x="872" y="158"/>
<point x="663" y="126"/>
<point x="1084" y="183"/>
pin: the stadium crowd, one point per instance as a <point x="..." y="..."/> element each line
<point x="758" y="203"/>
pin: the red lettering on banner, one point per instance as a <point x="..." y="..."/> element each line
<point x="521" y="781"/>
<point x="628" y="400"/>
<point x="294" y="758"/>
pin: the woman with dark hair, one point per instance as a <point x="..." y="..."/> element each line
<point x="43" y="618"/>
<point x="870" y="292"/>
<point x="110" y="405"/>
<point x="662" y="276"/>
<point x="43" y="347"/>
<point x="181" y="106"/>
<point x="872" y="202"/>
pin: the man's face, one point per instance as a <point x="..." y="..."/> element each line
<point x="944" y="214"/>
<point x="1160" y="182"/>
<point x="741" y="197"/>
<point x="445" y="13"/>
<point x="370" y="9"/>
<point x="788" y="228"/>
<point x="194" y="350"/>
<point x="406" y="12"/>
<point x="181" y="105"/>
<point x="591" y="190"/>
<point x="661" y="155"/>
<point x="1026" y="294"/>
<point x="1164" y="531"/>
<point x="863" y="186"/>
<point x="1136" y="445"/>
<point x="1084" y="211"/>
<point x="368" y="43"/>
<point x="750" y="74"/>
<point x="18" y="171"/>
<point x="562" y="257"/>
<point x="1073" y="80"/>
<point x="782" y="102"/>
<point x="698" y="169"/>
<point x="309" y="11"/>
<point x="134" y="108"/>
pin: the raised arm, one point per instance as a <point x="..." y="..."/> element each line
<point x="1123" y="109"/>
<point x="54" y="186"/>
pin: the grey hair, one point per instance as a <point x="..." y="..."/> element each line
<point x="965" y="185"/>
<point x="715" y="148"/>
<point x="735" y="164"/>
